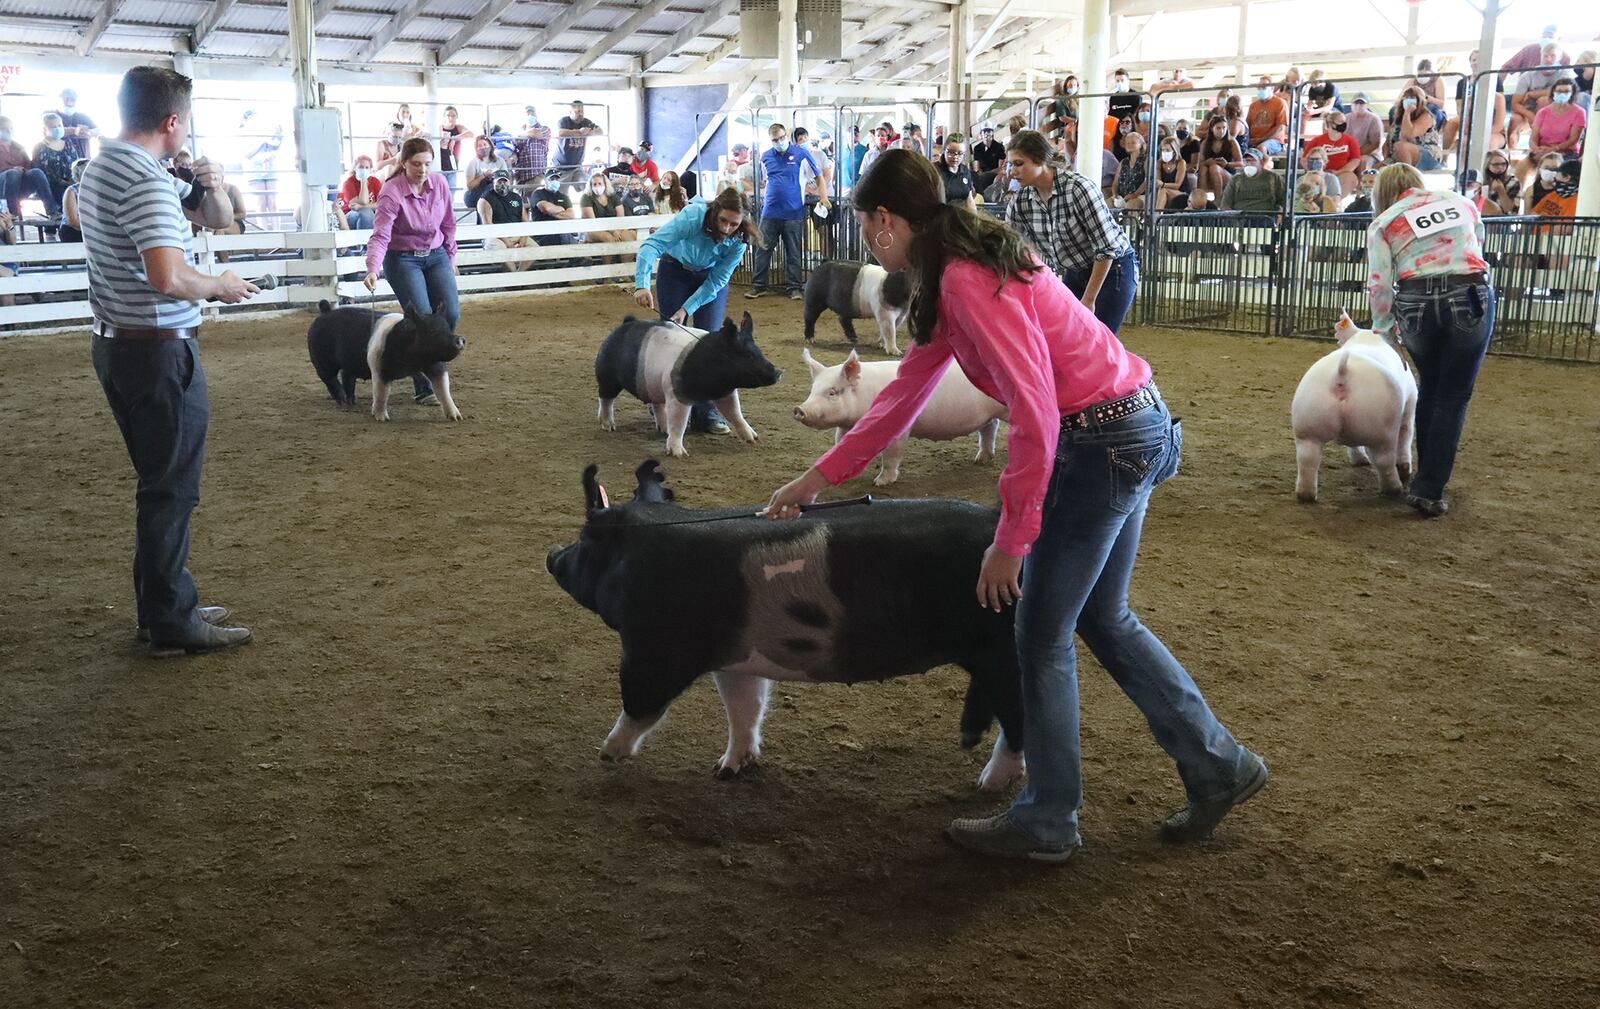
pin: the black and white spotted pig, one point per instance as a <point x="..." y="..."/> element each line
<point x="858" y="291"/>
<point x="672" y="367"/>
<point x="847" y="595"/>
<point x="347" y="344"/>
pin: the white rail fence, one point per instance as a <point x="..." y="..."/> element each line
<point x="51" y="281"/>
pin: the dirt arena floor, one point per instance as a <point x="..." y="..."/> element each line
<point x="392" y="798"/>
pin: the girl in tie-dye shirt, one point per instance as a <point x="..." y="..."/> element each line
<point x="1429" y="287"/>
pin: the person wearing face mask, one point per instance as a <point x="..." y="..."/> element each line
<point x="1362" y="204"/>
<point x="358" y="196"/>
<point x="54" y="160"/>
<point x="1091" y="438"/>
<point x="1584" y="79"/>
<point x="1066" y="218"/>
<point x="1430" y="290"/>
<point x="1533" y="54"/>
<point x="882" y="138"/>
<point x="18" y="176"/>
<point x="782" y="211"/>
<point x="1557" y="128"/>
<point x="1256" y="189"/>
<point x="1268" y="119"/>
<point x="1132" y="180"/>
<point x="1502" y="193"/>
<point x="414" y="243"/>
<point x="1063" y="108"/>
<point x="145" y="297"/>
<point x="530" y="152"/>
<point x="550" y="202"/>
<point x="644" y="164"/>
<point x="1119" y="143"/>
<point x="988" y="154"/>
<point x="1534" y="91"/>
<point x="1366" y="129"/>
<point x="1002" y="190"/>
<point x="600" y="202"/>
<point x="1174" y="182"/>
<point x="1329" y="188"/>
<point x="1340" y="150"/>
<point x="485" y="164"/>
<point x="1414" y="137"/>
<point x="1432" y="87"/>
<point x="820" y="210"/>
<point x="1554" y="192"/>
<point x="1219" y="157"/>
<point x="502" y="204"/>
<point x="959" y="186"/>
<point x="1124" y="101"/>
<point x="79" y="127"/>
<point x="387" y="162"/>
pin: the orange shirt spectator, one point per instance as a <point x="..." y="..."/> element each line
<point x="1268" y="119"/>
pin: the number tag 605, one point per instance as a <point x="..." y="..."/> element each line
<point x="1433" y="217"/>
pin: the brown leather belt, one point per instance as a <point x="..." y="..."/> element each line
<point x="1442" y="281"/>
<point x="111" y="332"/>
<point x="1144" y="398"/>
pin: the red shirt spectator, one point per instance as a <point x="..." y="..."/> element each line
<point x="347" y="192"/>
<point x="1341" y="152"/>
<point x="646" y="168"/>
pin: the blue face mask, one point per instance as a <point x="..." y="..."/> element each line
<point x="1561" y="97"/>
<point x="1408" y="103"/>
<point x="57" y="132"/>
<point x="1014" y="186"/>
<point x="1144" y="117"/>
<point x="5" y="136"/>
<point x="1263" y="93"/>
<point x="780" y="145"/>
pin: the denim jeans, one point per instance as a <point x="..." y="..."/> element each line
<point x="157" y="393"/>
<point x="16" y="183"/>
<point x="361" y="219"/>
<point x="1116" y="291"/>
<point x="674" y="285"/>
<point x="1077" y="578"/>
<point x="791" y="232"/>
<point x="1273" y="147"/>
<point x="425" y="283"/>
<point x="1446" y="329"/>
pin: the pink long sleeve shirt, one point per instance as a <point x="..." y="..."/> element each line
<point x="1032" y="346"/>
<point x="410" y="222"/>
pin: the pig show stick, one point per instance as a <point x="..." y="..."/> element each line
<point x="818" y="506"/>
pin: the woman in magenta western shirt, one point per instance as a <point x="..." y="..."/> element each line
<point x="414" y="239"/>
<point x="1090" y="439"/>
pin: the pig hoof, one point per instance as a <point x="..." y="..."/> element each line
<point x="749" y="435"/>
<point x="454" y="415"/>
<point x="728" y="767"/>
<point x="1004" y="770"/>
<point x="883" y="480"/>
<point x="1306" y="497"/>
<point x="1404" y="469"/>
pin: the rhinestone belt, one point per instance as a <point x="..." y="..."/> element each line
<point x="1113" y="410"/>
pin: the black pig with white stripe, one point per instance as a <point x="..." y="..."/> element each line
<point x="347" y="344"/>
<point x="848" y="595"/>
<point x="672" y="367"/>
<point x="858" y="291"/>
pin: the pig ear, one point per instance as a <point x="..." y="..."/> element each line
<point x="852" y="367"/>
<point x="652" y="483"/>
<point x="811" y="362"/>
<point x="594" y="495"/>
<point x="729" y="331"/>
<point x="1345" y="322"/>
<point x="746" y="324"/>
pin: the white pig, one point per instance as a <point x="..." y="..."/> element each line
<point x="1362" y="396"/>
<point x="841" y="394"/>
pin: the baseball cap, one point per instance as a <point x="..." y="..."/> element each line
<point x="501" y="173"/>
<point x="740" y="147"/>
<point x="1361" y="96"/>
<point x="645" y="145"/>
<point x="69" y="93"/>
<point x="986" y="129"/>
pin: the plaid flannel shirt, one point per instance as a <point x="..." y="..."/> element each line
<point x="1073" y="229"/>
<point x="529" y="158"/>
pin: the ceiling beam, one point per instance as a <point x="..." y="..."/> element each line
<point x="538" y="41"/>
<point x="322" y="9"/>
<point x="696" y="27"/>
<point x="712" y="58"/>
<point x="208" y="23"/>
<point x="97" y="27"/>
<point x="603" y="45"/>
<point x="487" y="15"/>
<point x="895" y="43"/>
<point x="390" y="31"/>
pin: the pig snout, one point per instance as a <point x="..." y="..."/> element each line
<point x="461" y="343"/>
<point x="550" y="559"/>
<point x="800" y="414"/>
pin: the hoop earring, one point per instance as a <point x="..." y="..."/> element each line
<point x="878" y="243"/>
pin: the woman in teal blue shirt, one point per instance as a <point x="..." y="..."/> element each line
<point x="698" y="251"/>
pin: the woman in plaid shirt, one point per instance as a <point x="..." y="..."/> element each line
<point x="1071" y="228"/>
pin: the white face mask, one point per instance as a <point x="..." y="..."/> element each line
<point x="1250" y="171"/>
<point x="1547" y="175"/>
<point x="1166" y="155"/>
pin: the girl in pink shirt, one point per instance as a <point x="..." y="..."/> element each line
<point x="1090" y="439"/>
<point x="414" y="242"/>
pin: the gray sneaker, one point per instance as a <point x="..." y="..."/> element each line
<point x="796" y="296"/>
<point x="427" y="399"/>
<point x="755" y="292"/>
<point x="997" y="836"/>
<point x="1195" y="822"/>
<point x="209" y="639"/>
<point x="1429" y="507"/>
<point x="210" y="614"/>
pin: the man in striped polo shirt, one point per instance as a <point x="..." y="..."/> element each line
<point x="145" y="297"/>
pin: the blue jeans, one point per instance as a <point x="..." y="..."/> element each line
<point x="16" y="183"/>
<point x="1446" y="329"/>
<point x="674" y="285"/>
<point x="1116" y="291"/>
<point x="425" y="283"/>
<point x="1077" y="578"/>
<point x="361" y="220"/>
<point x="1273" y="147"/>
<point x="791" y="232"/>
<point x="157" y="393"/>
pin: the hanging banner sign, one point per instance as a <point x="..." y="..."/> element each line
<point x="9" y="72"/>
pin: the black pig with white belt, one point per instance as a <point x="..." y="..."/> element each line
<point x="847" y="595"/>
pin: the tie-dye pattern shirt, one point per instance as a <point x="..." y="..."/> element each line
<point x="1395" y="252"/>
